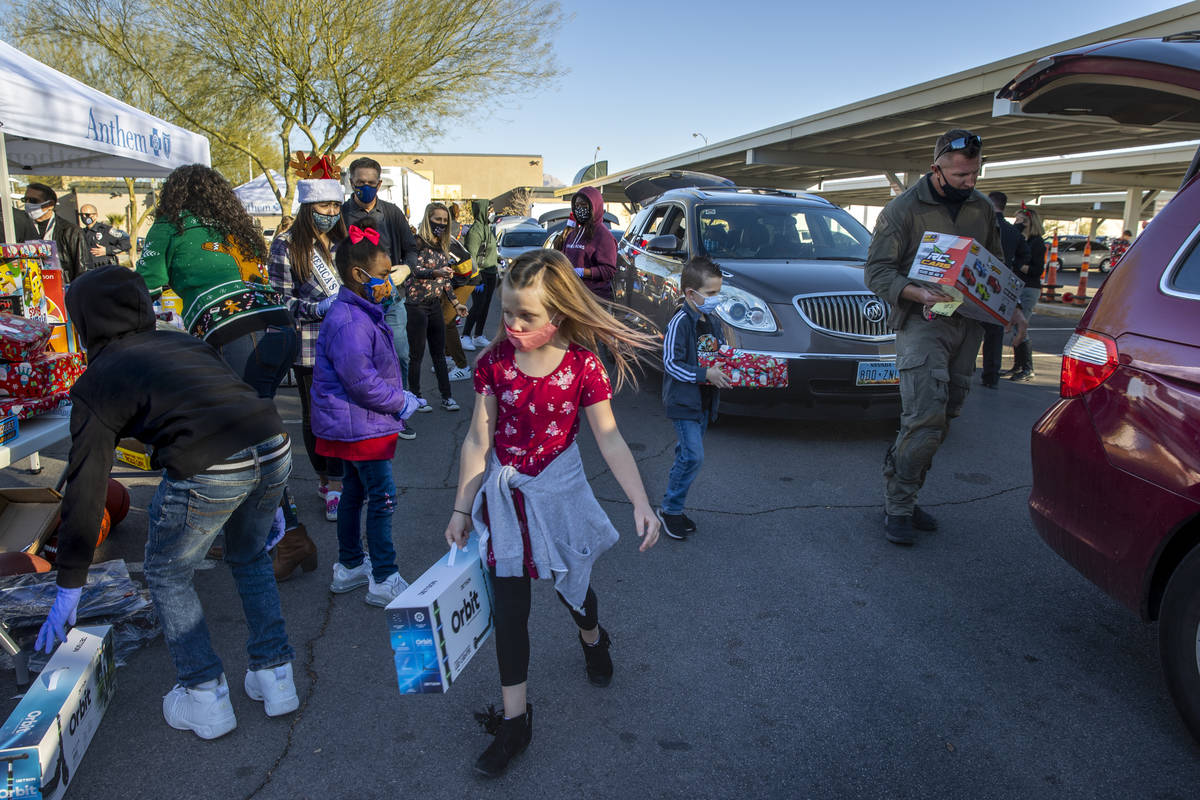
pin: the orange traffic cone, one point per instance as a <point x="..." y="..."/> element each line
<point x="1081" y="296"/>
<point x="1051" y="292"/>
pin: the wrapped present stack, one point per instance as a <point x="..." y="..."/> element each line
<point x="33" y="379"/>
<point x="747" y="370"/>
<point x="31" y="285"/>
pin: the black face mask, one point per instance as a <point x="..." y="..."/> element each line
<point x="583" y="214"/>
<point x="954" y="195"/>
<point x="87" y="220"/>
<point x="437" y="230"/>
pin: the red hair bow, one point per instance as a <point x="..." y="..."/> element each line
<point x="357" y="234"/>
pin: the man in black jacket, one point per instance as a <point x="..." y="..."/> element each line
<point x="226" y="459"/>
<point x="41" y="203"/>
<point x="1016" y="256"/>
<point x="395" y="235"/>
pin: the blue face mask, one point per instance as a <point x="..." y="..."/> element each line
<point x="366" y="194"/>
<point x="379" y="290"/>
<point x="325" y="222"/>
<point x="710" y="304"/>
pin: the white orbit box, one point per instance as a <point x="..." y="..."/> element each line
<point x="440" y="621"/>
<point x="982" y="286"/>
<point x="45" y="737"/>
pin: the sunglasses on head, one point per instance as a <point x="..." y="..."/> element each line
<point x="968" y="142"/>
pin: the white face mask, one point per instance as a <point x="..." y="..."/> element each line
<point x="35" y="210"/>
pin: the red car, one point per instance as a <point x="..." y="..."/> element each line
<point x="1116" y="461"/>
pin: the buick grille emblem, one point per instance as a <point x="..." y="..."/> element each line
<point x="874" y="311"/>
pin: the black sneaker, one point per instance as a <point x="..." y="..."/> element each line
<point x="922" y="520"/>
<point x="512" y="737"/>
<point x="673" y="525"/>
<point x="688" y="525"/>
<point x="599" y="663"/>
<point x="1024" y="376"/>
<point x="898" y="530"/>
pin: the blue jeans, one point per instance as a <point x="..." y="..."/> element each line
<point x="185" y="515"/>
<point x="396" y="316"/>
<point x="689" y="456"/>
<point x="370" y="481"/>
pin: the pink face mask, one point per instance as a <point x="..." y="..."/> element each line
<point x="531" y="340"/>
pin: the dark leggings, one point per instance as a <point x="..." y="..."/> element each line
<point x="512" y="600"/>
<point x="480" y="302"/>
<point x="262" y="359"/>
<point x="323" y="465"/>
<point x="425" y="324"/>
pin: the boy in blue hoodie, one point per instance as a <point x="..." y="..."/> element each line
<point x="690" y="392"/>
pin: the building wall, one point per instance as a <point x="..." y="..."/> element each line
<point x="463" y="176"/>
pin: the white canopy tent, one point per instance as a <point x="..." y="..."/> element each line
<point x="54" y="125"/>
<point x="258" y="199"/>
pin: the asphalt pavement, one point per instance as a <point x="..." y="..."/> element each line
<point x="785" y="650"/>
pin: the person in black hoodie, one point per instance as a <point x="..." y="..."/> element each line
<point x="1016" y="257"/>
<point x="226" y="460"/>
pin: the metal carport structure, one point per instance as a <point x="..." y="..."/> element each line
<point x="892" y="135"/>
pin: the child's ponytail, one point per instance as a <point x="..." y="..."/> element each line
<point x="584" y="321"/>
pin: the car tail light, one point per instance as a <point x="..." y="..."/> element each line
<point x="1088" y="359"/>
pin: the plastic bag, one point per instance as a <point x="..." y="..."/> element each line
<point x="109" y="597"/>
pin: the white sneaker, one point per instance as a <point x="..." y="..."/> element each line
<point x="449" y="404"/>
<point x="468" y="343"/>
<point x="274" y="688"/>
<point x="204" y="710"/>
<point x="482" y="341"/>
<point x="460" y="374"/>
<point x="380" y="594"/>
<point x="346" y="579"/>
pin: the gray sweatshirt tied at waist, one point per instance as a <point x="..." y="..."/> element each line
<point x="568" y="530"/>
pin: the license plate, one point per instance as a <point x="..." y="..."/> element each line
<point x="877" y="373"/>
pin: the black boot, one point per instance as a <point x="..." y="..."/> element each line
<point x="599" y="663"/>
<point x="512" y="737"/>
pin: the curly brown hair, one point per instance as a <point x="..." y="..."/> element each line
<point x="204" y="192"/>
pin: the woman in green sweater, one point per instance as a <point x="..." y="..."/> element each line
<point x="206" y="248"/>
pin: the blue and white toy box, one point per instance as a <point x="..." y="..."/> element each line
<point x="43" y="741"/>
<point x="440" y="621"/>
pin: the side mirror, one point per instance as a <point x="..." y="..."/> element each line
<point x="667" y="244"/>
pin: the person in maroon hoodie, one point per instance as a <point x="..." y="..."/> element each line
<point x="589" y="245"/>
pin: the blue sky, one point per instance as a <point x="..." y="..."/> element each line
<point x="644" y="75"/>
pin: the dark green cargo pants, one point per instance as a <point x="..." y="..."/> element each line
<point x="936" y="359"/>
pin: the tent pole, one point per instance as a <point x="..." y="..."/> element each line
<point x="7" y="209"/>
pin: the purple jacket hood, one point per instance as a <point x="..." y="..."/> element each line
<point x="356" y="391"/>
<point x="597" y="254"/>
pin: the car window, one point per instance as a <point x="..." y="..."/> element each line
<point x="676" y="225"/>
<point x="1187" y="275"/>
<point x="523" y="238"/>
<point x="639" y="221"/>
<point x="779" y="231"/>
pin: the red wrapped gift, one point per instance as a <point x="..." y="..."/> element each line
<point x="46" y="373"/>
<point x="21" y="338"/>
<point x="26" y="407"/>
<point x="749" y="370"/>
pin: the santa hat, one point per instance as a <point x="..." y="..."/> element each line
<point x="319" y="191"/>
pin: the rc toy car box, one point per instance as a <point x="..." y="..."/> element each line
<point x="439" y="622"/>
<point x="43" y="741"/>
<point x="982" y="286"/>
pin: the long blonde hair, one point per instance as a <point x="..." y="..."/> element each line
<point x="1033" y="223"/>
<point x="584" y="321"/>
<point x="426" y="229"/>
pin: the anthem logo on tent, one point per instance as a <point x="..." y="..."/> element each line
<point x="112" y="133"/>
<point x="160" y="143"/>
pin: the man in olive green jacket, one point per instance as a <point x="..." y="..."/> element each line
<point x="481" y="244"/>
<point x="935" y="355"/>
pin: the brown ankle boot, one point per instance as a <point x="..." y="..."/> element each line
<point x="295" y="549"/>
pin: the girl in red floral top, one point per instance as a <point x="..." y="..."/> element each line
<point x="531" y="385"/>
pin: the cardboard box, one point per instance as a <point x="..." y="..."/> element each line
<point x="440" y="621"/>
<point x="45" y="738"/>
<point x="133" y="453"/>
<point x="27" y="519"/>
<point x="169" y="301"/>
<point x="982" y="286"/>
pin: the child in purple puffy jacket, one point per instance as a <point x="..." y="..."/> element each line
<point x="358" y="408"/>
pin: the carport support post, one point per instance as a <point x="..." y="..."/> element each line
<point x="1133" y="209"/>
<point x="6" y="210"/>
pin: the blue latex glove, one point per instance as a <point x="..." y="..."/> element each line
<point x="323" y="306"/>
<point x="579" y="271"/>
<point x="61" y="616"/>
<point x="478" y="288"/>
